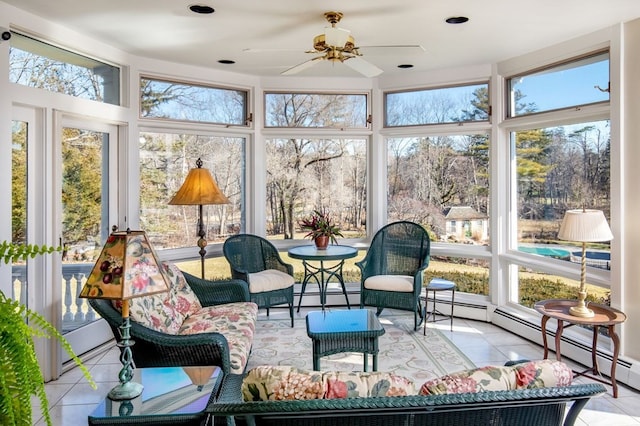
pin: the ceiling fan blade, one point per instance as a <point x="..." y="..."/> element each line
<point x="363" y="67"/>
<point x="301" y="67"/>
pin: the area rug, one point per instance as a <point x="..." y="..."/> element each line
<point x="402" y="351"/>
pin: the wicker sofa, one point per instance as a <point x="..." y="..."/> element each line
<point x="527" y="406"/>
<point x="197" y="322"/>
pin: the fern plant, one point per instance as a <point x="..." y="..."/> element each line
<point x="20" y="376"/>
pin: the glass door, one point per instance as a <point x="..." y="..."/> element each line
<point x="88" y="199"/>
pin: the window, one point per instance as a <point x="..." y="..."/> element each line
<point x="578" y="82"/>
<point x="165" y="160"/>
<point x="316" y="110"/>
<point x="304" y="174"/>
<point x="471" y="275"/>
<point x="34" y="63"/>
<point x="441" y="182"/>
<point x="561" y="168"/>
<point x="172" y="100"/>
<point x="456" y="104"/>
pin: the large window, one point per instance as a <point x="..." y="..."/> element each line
<point x="342" y="111"/>
<point x="165" y="161"/>
<point x="441" y="182"/>
<point x="569" y="84"/>
<point x="306" y="174"/>
<point x="457" y="104"/>
<point x="171" y="100"/>
<point x="34" y="63"/>
<point x="559" y="167"/>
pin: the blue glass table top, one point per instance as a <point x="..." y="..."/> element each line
<point x="342" y="321"/>
<point x="168" y="391"/>
<point x="332" y="252"/>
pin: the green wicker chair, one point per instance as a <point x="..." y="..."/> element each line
<point x="391" y="272"/>
<point x="255" y="260"/>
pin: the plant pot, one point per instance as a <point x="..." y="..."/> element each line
<point x="321" y="242"/>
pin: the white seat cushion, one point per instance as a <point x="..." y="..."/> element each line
<point x="269" y="280"/>
<point x="402" y="283"/>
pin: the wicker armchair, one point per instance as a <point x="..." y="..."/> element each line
<point x="255" y="260"/>
<point x="156" y="349"/>
<point x="391" y="272"/>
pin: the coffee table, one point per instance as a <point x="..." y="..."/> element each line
<point x="340" y="330"/>
<point x="171" y="395"/>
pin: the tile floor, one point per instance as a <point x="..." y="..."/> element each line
<point x="72" y="400"/>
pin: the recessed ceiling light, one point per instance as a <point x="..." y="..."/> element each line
<point x="226" y="61"/>
<point x="456" y="20"/>
<point x="405" y="66"/>
<point x="202" y="9"/>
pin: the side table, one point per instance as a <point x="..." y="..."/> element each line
<point x="605" y="316"/>
<point x="322" y="274"/>
<point x="435" y="285"/>
<point x="171" y="395"/>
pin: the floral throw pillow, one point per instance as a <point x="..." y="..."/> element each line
<point x="479" y="379"/>
<point x="266" y="383"/>
<point x="543" y="373"/>
<point x="182" y="296"/>
<point x="283" y="383"/>
<point x="357" y="384"/>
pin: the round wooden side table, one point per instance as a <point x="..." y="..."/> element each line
<point x="604" y="316"/>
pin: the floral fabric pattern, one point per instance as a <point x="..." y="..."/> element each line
<point x="271" y="383"/>
<point x="283" y="383"/>
<point x="527" y="375"/>
<point x="165" y="312"/>
<point x="544" y="373"/>
<point x="236" y="321"/>
<point x="179" y="311"/>
<point x="479" y="379"/>
<point x="373" y="384"/>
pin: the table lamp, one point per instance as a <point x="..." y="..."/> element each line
<point x="126" y="268"/>
<point x="584" y="226"/>
<point x="199" y="189"/>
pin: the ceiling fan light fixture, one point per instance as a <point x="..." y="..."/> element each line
<point x="336" y="37"/>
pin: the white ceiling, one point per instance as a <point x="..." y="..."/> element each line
<point x="278" y="32"/>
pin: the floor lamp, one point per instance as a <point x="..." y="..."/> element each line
<point x="199" y="189"/>
<point x="126" y="268"/>
<point x="584" y="226"/>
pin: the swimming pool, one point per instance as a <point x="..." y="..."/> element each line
<point x="546" y="251"/>
<point x="598" y="259"/>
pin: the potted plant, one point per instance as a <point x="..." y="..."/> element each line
<point x="321" y="229"/>
<point x="20" y="376"/>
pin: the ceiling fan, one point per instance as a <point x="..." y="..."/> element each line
<point x="338" y="45"/>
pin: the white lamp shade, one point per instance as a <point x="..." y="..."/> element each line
<point x="585" y="226"/>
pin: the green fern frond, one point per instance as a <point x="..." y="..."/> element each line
<point x="11" y="252"/>
<point x="20" y="376"/>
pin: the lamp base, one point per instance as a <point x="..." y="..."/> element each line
<point x="581" y="311"/>
<point x="124" y="391"/>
